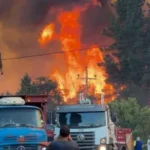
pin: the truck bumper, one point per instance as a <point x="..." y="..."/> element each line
<point x="103" y="147"/>
<point x="25" y="146"/>
<point x="96" y="147"/>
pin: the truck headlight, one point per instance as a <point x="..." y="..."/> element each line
<point x="102" y="147"/>
<point x="103" y="141"/>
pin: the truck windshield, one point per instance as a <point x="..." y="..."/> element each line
<point x="23" y="117"/>
<point x="82" y="119"/>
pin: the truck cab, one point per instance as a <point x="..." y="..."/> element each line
<point x="40" y="101"/>
<point x="21" y="126"/>
<point x="88" y="125"/>
<point x="93" y="127"/>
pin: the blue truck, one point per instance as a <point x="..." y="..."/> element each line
<point x="22" y="127"/>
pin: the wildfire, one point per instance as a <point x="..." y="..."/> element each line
<point x="76" y="61"/>
<point x="46" y="34"/>
<point x="70" y="39"/>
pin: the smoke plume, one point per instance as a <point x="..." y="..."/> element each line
<point x="21" y="22"/>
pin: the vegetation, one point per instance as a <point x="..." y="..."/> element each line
<point x="132" y="115"/>
<point x="41" y="86"/>
<point x="130" y="31"/>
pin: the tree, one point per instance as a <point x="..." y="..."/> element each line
<point x="44" y="85"/>
<point x="41" y="86"/>
<point x="2" y="94"/>
<point x="130" y="31"/>
<point x="128" y="112"/>
<point x="143" y="128"/>
<point x="132" y="115"/>
<point x="8" y="93"/>
<point x="25" y="86"/>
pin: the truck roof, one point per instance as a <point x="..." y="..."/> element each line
<point x="80" y="108"/>
<point x="31" y="98"/>
<point x="19" y="106"/>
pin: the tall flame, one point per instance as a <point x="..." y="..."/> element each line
<point x="69" y="37"/>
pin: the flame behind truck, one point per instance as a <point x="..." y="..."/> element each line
<point x="92" y="127"/>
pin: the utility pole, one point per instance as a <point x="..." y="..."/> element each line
<point x="86" y="80"/>
<point x="1" y="65"/>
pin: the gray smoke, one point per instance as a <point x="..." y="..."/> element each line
<point x="21" y="13"/>
<point x="22" y="20"/>
<point x="30" y="13"/>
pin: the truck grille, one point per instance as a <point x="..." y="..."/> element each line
<point x="15" y="138"/>
<point x="26" y="147"/>
<point x="86" y="143"/>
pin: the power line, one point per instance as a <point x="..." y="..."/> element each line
<point x="59" y="52"/>
<point x="52" y="53"/>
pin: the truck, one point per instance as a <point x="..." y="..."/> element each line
<point x="22" y="126"/>
<point x="93" y="126"/>
<point x="41" y="102"/>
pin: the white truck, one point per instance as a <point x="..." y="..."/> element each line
<point x="92" y="127"/>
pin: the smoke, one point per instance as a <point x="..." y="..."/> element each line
<point x="30" y="13"/>
<point x="21" y="22"/>
<point x="24" y="13"/>
<point x="94" y="20"/>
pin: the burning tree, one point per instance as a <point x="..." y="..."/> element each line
<point x="75" y="60"/>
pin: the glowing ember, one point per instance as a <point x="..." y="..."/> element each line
<point x="46" y="34"/>
<point x="69" y="37"/>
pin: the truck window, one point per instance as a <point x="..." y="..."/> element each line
<point x="20" y="116"/>
<point x="82" y="119"/>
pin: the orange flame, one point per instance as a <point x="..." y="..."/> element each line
<point x="70" y="39"/>
<point x="46" y="34"/>
<point x="69" y="84"/>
